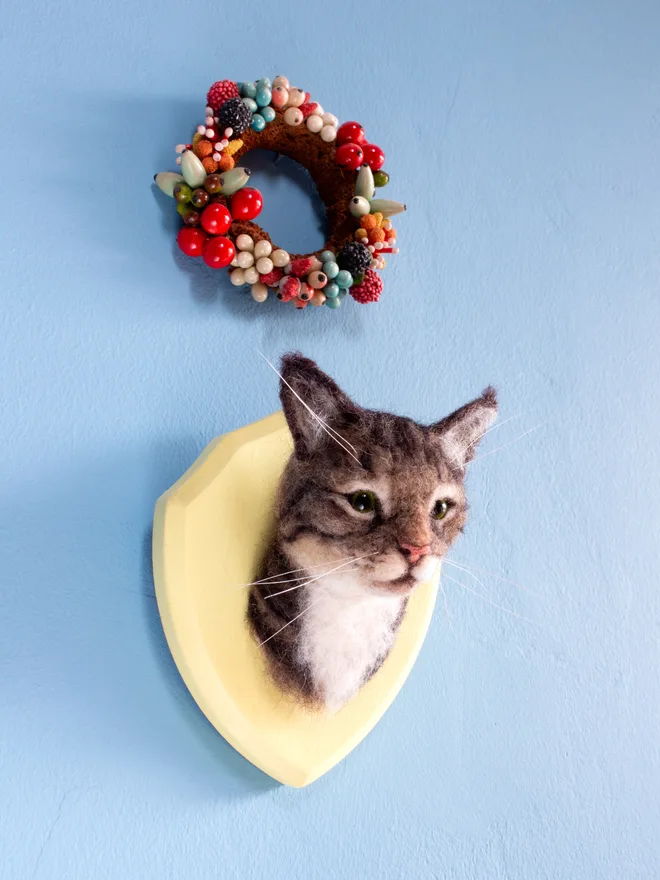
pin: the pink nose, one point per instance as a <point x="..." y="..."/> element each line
<point x="413" y="552"/>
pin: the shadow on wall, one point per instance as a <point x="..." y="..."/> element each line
<point x="93" y="649"/>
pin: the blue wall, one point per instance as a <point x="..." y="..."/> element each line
<point x="525" y="138"/>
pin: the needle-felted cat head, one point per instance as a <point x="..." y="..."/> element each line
<point x="368" y="505"/>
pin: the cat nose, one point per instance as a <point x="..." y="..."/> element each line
<point x="413" y="552"/>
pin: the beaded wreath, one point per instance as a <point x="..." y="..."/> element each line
<point x="218" y="209"/>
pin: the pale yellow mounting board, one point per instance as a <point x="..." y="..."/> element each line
<point x="210" y="529"/>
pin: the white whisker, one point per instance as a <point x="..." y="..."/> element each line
<point x="490" y="601"/>
<point x="293" y="619"/>
<point x="334" y="435"/>
<point x="312" y="580"/>
<point x="444" y="599"/>
<point x="295" y="570"/>
<point x="515" y="440"/>
<point x="479" y="438"/>
<point x="469" y="567"/>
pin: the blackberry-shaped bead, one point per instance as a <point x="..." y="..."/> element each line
<point x="355" y="258"/>
<point x="235" y="115"/>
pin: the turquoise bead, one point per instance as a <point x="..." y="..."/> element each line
<point x="258" y="122"/>
<point x="328" y="257"/>
<point x="263" y="97"/>
<point x="332" y="303"/>
<point x="331" y="289"/>
<point x="240" y="86"/>
<point x="344" y="278"/>
<point x="268" y="113"/>
<point x="331" y="269"/>
<point x="263" y="83"/>
<point x="249" y="90"/>
<point x="250" y="104"/>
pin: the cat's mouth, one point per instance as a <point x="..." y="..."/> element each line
<point x="417" y="574"/>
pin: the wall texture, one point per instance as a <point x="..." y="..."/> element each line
<point x="525" y="138"/>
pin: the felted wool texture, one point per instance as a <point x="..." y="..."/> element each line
<point x="335" y="184"/>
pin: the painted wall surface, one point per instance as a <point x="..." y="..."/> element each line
<point x="525" y="138"/>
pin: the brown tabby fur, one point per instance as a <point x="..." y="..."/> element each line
<point x="409" y="460"/>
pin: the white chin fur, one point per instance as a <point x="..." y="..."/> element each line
<point x="425" y="569"/>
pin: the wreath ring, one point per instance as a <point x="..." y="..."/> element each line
<point x="218" y="208"/>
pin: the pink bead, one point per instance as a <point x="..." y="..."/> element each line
<point x="280" y="81"/>
<point x="280" y="96"/>
<point x="209" y="120"/>
<point x="201" y="129"/>
<point x="209" y="111"/>
<point x="229" y="132"/>
<point x="217" y="157"/>
<point x="315" y="264"/>
<point x="180" y="148"/>
<point x="210" y="133"/>
<point x="178" y="160"/>
<point x="219" y="146"/>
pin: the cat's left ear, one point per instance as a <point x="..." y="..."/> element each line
<point x="313" y="404"/>
<point x="460" y="432"/>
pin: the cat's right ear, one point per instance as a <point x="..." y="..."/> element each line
<point x="314" y="405"/>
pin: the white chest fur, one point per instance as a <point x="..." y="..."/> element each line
<point x="345" y="632"/>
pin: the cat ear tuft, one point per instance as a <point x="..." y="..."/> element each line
<point x="461" y="431"/>
<point x="313" y="403"/>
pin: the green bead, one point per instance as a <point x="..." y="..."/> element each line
<point x="333" y="303"/>
<point x="182" y="193"/>
<point x="381" y="178"/>
<point x="331" y="269"/>
<point x="344" y="278"/>
<point x="268" y="113"/>
<point x="327" y="257"/>
<point x="263" y="83"/>
<point x="249" y="90"/>
<point x="331" y="290"/>
<point x="251" y="104"/>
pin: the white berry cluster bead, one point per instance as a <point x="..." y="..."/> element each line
<point x="254" y="259"/>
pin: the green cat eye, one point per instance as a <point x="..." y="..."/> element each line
<point x="440" y="509"/>
<point x="363" y="501"/>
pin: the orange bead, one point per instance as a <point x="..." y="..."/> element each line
<point x="210" y="165"/>
<point x="202" y="149"/>
<point x="368" y="221"/>
<point x="376" y="235"/>
<point x="226" y="163"/>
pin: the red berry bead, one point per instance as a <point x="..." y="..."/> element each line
<point x="273" y="278"/>
<point x="301" y="267"/>
<point x="246" y="204"/>
<point x="220" y="92"/>
<point x="369" y="290"/>
<point x="373" y="156"/>
<point x="191" y="241"/>
<point x="350" y="133"/>
<point x="216" y="219"/>
<point x="219" y="251"/>
<point x="349" y="156"/>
